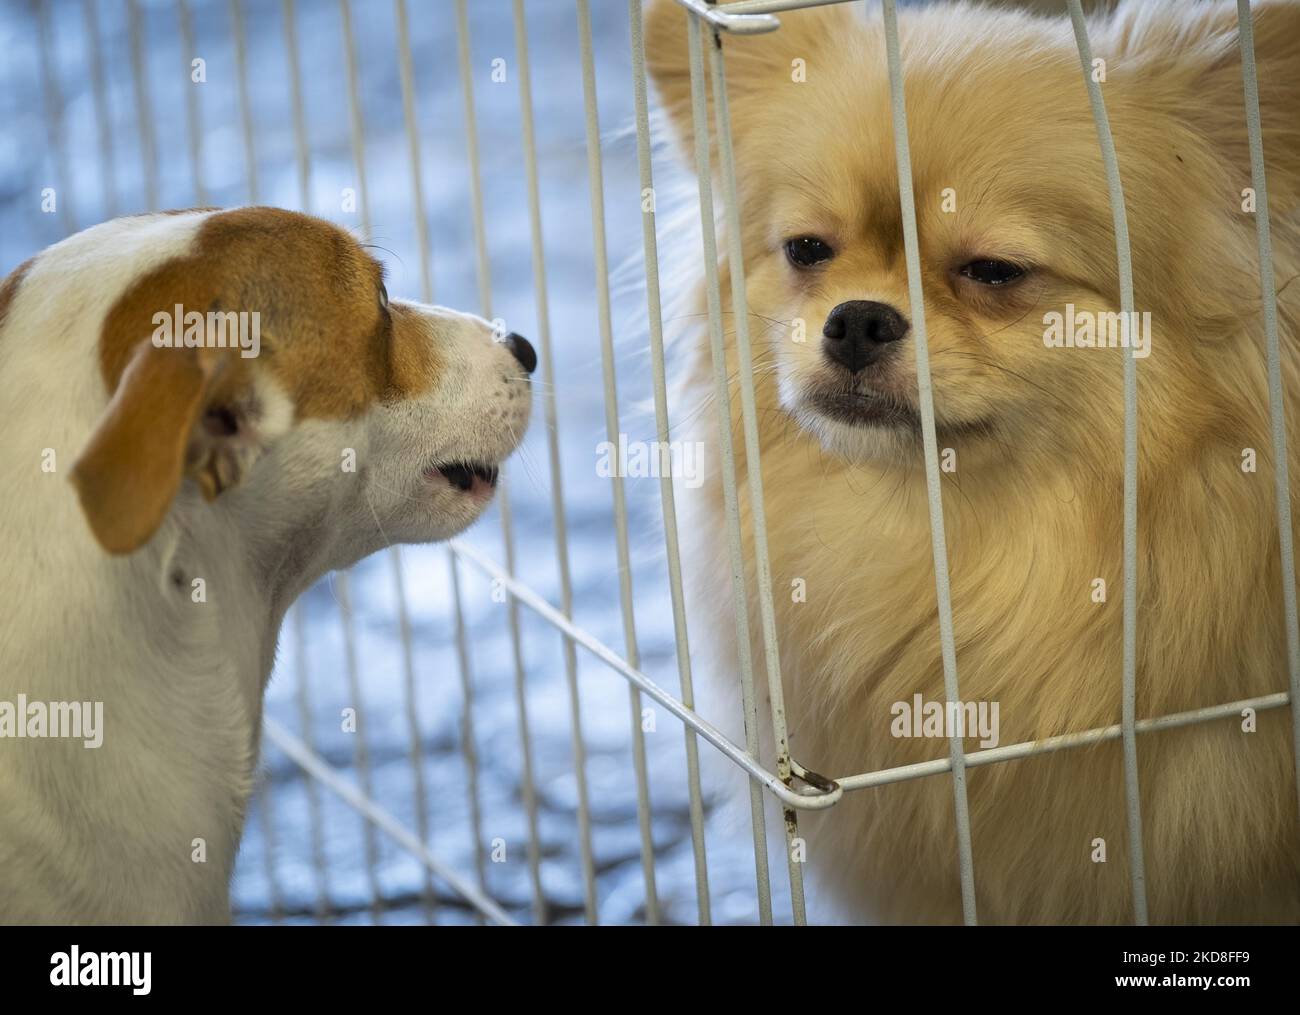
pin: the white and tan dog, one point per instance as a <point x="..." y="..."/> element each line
<point x="140" y="456"/>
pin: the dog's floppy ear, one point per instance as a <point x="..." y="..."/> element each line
<point x="1189" y="58"/>
<point x="174" y="412"/>
<point x="757" y="65"/>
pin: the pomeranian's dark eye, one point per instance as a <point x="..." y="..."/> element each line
<point x="805" y="251"/>
<point x="992" y="272"/>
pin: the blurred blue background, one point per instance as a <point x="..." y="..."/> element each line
<point x="82" y="102"/>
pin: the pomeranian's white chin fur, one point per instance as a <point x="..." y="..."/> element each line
<point x="857" y="444"/>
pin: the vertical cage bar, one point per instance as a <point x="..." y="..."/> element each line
<point x="357" y="133"/>
<point x="911" y="243"/>
<point x="301" y="149"/>
<point x="484" y="277"/>
<point x="54" y="120"/>
<point x="483" y="269"/>
<point x="356" y="125"/>
<point x="507" y="528"/>
<point x="240" y="39"/>
<point x="595" y="175"/>
<point x="731" y="499"/>
<point x="407" y="75"/>
<point x="528" y="787"/>
<point x="360" y="751"/>
<point x="1137" y="863"/>
<point x="303" y="158"/>
<point x="192" y="112"/>
<point x="394" y="553"/>
<point x="1277" y="409"/>
<point x="667" y="502"/>
<point x="319" y="866"/>
<point x="143" y="107"/>
<point x="103" y="117"/>
<point x="264" y="811"/>
<point x="414" y="739"/>
<point x="558" y="509"/>
<point x="426" y="294"/>
<point x="468" y="746"/>
<point x="521" y="698"/>
<point x="753" y="465"/>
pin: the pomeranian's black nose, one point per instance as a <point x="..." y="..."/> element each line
<point x="857" y="332"/>
<point x="522" y="350"/>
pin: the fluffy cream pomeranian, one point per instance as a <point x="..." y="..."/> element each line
<point x="1016" y="243"/>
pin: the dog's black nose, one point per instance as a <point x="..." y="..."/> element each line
<point x="522" y="350"/>
<point x="857" y="332"/>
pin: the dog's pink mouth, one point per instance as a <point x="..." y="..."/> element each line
<point x="474" y="478"/>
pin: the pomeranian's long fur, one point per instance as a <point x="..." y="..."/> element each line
<point x="998" y="112"/>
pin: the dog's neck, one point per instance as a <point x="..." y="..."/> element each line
<point x="232" y="570"/>
<point x="222" y="615"/>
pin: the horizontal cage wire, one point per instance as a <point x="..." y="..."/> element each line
<point x="452" y="736"/>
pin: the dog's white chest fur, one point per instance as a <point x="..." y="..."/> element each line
<point x="167" y="784"/>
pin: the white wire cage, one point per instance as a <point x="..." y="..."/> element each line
<point x="399" y="807"/>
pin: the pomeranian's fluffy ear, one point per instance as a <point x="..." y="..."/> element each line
<point x="756" y="64"/>
<point x="1193" y="50"/>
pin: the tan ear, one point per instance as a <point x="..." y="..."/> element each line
<point x="1189" y="57"/>
<point x="667" y="60"/>
<point x="757" y="66"/>
<point x="128" y="474"/>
